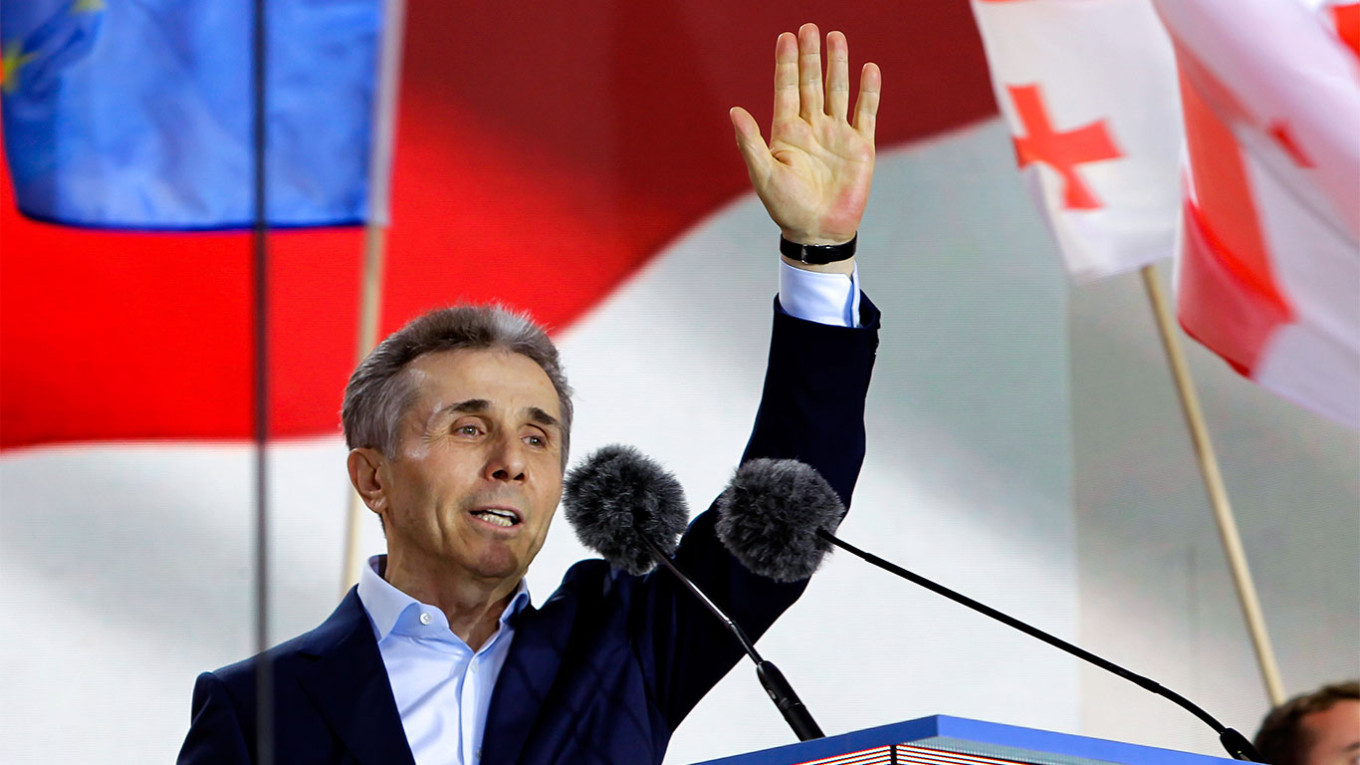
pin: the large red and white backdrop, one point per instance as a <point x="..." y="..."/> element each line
<point x="577" y="163"/>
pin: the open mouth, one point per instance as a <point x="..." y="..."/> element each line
<point x="497" y="517"/>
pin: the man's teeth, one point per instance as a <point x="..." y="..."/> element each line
<point x="496" y="517"/>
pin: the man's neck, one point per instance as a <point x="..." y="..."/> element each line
<point x="473" y="607"/>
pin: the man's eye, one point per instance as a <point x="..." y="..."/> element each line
<point x="467" y="430"/>
<point x="536" y="440"/>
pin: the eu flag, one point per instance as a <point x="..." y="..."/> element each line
<point x="138" y="114"/>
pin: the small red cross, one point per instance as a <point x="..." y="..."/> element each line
<point x="1062" y="151"/>
<point x="1285" y="138"/>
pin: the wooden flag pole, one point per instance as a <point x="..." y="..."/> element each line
<point x="375" y="237"/>
<point x="1213" y="482"/>
<point x="370" y="307"/>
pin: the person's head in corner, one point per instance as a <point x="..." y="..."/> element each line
<point x="458" y="426"/>
<point x="1317" y="728"/>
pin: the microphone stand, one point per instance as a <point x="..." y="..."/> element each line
<point x="776" y="686"/>
<point x="1234" y="742"/>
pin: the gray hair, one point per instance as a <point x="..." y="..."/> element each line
<point x="378" y="393"/>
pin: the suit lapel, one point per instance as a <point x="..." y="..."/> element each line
<point x="527" y="677"/>
<point x="348" y="683"/>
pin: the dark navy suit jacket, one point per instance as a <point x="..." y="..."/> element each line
<point x="605" y="670"/>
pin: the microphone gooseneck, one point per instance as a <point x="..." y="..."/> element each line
<point x="630" y="510"/>
<point x="817" y="523"/>
<point x="779" y="690"/>
<point x="1234" y="742"/>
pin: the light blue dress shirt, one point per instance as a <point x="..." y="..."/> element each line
<point x="442" y="688"/>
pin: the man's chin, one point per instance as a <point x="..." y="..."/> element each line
<point x="499" y="565"/>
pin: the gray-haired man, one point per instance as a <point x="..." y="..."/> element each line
<point x="459" y="425"/>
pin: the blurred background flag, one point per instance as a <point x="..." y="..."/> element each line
<point x="137" y="115"/>
<point x="1088" y="90"/>
<point x="1269" y="265"/>
<point x="1270" y="261"/>
<point x="514" y="179"/>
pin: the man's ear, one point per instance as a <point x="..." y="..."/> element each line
<point x="366" y="475"/>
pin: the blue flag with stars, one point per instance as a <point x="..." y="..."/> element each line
<point x="138" y="114"/>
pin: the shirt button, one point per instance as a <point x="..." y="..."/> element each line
<point x="424" y="618"/>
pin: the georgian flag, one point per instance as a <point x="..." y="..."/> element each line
<point x="1270" y="257"/>
<point x="1089" y="92"/>
<point x="1269" y="260"/>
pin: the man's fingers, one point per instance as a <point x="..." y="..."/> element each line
<point x="809" y="71"/>
<point x="866" y="103"/>
<point x="785" y="77"/>
<point x="837" y="75"/>
<point x="751" y="145"/>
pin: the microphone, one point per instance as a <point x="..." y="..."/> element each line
<point x="759" y="514"/>
<point x="622" y="504"/>
<point x="628" y="509"/>
<point x="769" y="515"/>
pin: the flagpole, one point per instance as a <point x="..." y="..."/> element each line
<point x="370" y="304"/>
<point x="264" y="679"/>
<point x="1213" y="483"/>
<point x="375" y="237"/>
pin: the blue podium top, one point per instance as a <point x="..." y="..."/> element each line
<point x="965" y="741"/>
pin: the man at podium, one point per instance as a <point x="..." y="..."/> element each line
<point x="459" y="426"/>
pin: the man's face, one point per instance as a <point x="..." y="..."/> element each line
<point x="1334" y="734"/>
<point x="478" y="470"/>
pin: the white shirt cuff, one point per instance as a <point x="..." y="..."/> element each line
<point x="824" y="298"/>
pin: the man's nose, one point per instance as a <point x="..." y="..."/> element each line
<point x="505" y="462"/>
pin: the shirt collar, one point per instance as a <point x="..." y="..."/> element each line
<point x="385" y="604"/>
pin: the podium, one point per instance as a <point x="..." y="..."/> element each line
<point x="959" y="741"/>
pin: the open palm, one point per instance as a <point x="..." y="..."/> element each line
<point x="815" y="173"/>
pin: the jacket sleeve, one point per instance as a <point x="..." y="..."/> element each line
<point x="812" y="409"/>
<point x="215" y="735"/>
<point x="812" y="402"/>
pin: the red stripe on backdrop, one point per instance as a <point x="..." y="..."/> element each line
<point x="542" y="156"/>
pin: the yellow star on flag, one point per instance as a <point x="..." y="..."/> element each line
<point x="11" y="62"/>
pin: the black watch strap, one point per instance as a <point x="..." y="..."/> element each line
<point x="818" y="254"/>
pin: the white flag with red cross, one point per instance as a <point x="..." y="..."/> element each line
<point x="1089" y="92"/>
<point x="1269" y="263"/>
<point x="1269" y="199"/>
